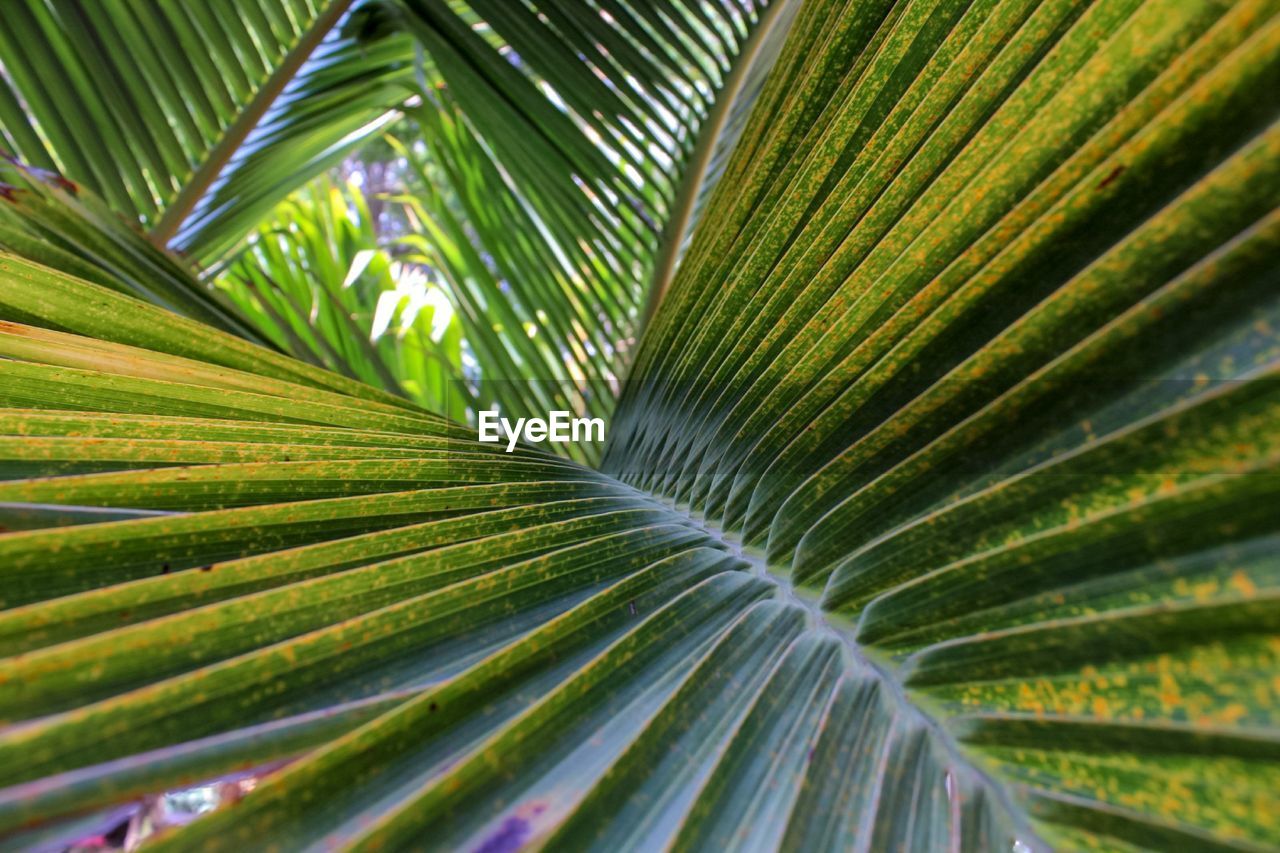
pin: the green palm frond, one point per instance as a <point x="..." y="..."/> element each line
<point x="317" y="277"/>
<point x="937" y="511"/>
<point x="46" y="218"/>
<point x="586" y="117"/>
<point x="194" y="117"/>
<point x="561" y="145"/>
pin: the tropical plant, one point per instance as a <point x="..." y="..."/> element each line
<point x="317" y="278"/>
<point x="584" y="123"/>
<point x="194" y="117"/>
<point x="937" y="511"/>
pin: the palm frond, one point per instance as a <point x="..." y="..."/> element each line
<point x="591" y="144"/>
<point x="936" y="514"/>
<point x="52" y="221"/>
<point x="558" y="143"/>
<point x="197" y="118"/>
<point x="317" y="277"/>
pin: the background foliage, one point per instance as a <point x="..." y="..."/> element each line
<point x="937" y="510"/>
<point x="558" y="141"/>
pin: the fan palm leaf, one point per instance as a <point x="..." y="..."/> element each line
<point x="937" y="512"/>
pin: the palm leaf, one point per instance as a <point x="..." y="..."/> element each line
<point x="937" y="512"/>
<point x="195" y="118"/>
<point x="52" y="221"/>
<point x="560" y="146"/>
<point x="317" y="278"/>
<point x="602" y="140"/>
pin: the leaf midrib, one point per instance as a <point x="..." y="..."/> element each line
<point x="841" y="628"/>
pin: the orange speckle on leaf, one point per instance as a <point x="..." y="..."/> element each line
<point x="1232" y="712"/>
<point x="1240" y="583"/>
